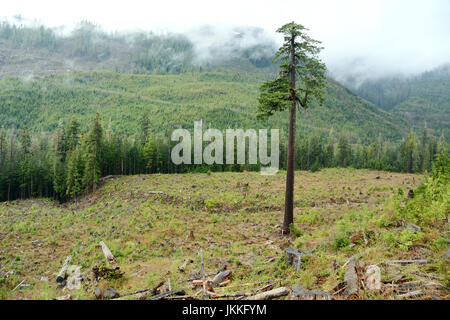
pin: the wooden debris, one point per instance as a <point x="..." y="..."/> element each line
<point x="410" y="294"/>
<point x="220" y="277"/>
<point x="62" y="273"/>
<point x="185" y="297"/>
<point x="275" y="293"/>
<point x="155" y="192"/>
<point x="18" y="285"/>
<point x="300" y="293"/>
<point x="366" y="242"/>
<point x="167" y="294"/>
<point x="356" y="237"/>
<point x="108" y="255"/>
<point x="75" y="277"/>
<point x="373" y="277"/>
<point x="224" y="283"/>
<point x="142" y="293"/>
<point x="108" y="293"/>
<point x="243" y="294"/>
<point x="203" y="274"/>
<point x="294" y="258"/>
<point x="405" y="262"/>
<point x="66" y="297"/>
<point x="183" y="266"/>
<point x="351" y="280"/>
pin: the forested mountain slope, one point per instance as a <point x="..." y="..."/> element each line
<point x="222" y="99"/>
<point x="179" y="81"/>
<point x="423" y="100"/>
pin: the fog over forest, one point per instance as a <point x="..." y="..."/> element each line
<point x="362" y="40"/>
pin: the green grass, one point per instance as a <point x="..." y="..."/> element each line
<point x="148" y="233"/>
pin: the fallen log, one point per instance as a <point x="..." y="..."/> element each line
<point x="185" y="297"/>
<point x="62" y="273"/>
<point x="410" y="294"/>
<point x="167" y="294"/>
<point x="300" y="293"/>
<point x="108" y="255"/>
<point x="243" y="294"/>
<point x="142" y="293"/>
<point x="183" y="266"/>
<point x="221" y="277"/>
<point x="224" y="283"/>
<point x="405" y="262"/>
<point x="275" y="293"/>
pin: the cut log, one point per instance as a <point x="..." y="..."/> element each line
<point x="183" y="266"/>
<point x="351" y="279"/>
<point x="275" y="293"/>
<point x="66" y="297"/>
<point x="108" y="255"/>
<point x="62" y="273"/>
<point x="221" y="277"/>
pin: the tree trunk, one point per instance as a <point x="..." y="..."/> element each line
<point x="289" y="198"/>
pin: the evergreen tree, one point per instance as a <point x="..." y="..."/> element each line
<point x="409" y="155"/>
<point x="92" y="151"/>
<point x="299" y="58"/>
<point x="344" y="151"/>
<point x="150" y="157"/>
<point x="59" y="167"/>
<point x="144" y="125"/>
<point x="75" y="169"/>
<point x="73" y="135"/>
<point x="2" y="146"/>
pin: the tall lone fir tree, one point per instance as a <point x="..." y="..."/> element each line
<point x="301" y="79"/>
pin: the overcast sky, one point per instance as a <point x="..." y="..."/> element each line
<point x="375" y="36"/>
